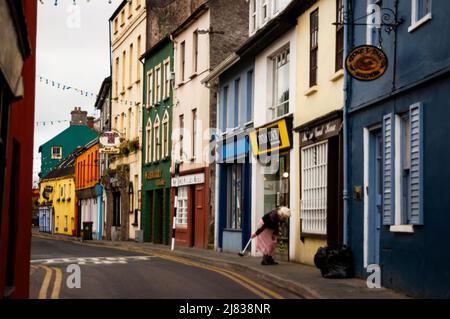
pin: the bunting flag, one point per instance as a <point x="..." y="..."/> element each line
<point x="88" y="94"/>
<point x="74" y="2"/>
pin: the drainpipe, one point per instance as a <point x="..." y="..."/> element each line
<point x="348" y="44"/>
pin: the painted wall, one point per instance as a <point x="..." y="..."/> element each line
<point x="69" y="139"/>
<point x="185" y="101"/>
<point x="87" y="168"/>
<point x="165" y="106"/>
<point x="127" y="84"/>
<point x="416" y="263"/>
<point x="314" y="102"/>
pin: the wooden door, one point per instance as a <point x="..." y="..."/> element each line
<point x="200" y="217"/>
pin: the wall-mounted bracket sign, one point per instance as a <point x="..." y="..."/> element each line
<point x="109" y="143"/>
<point x="366" y="63"/>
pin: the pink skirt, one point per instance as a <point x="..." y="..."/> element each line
<point x="266" y="242"/>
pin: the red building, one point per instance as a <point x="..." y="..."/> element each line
<point x="17" y="88"/>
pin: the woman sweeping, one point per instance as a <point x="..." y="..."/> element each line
<point x="268" y="230"/>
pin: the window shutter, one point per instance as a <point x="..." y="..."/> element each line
<point x="416" y="187"/>
<point x="388" y="169"/>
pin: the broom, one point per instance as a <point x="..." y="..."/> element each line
<point x="242" y="253"/>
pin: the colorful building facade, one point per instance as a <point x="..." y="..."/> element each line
<point x="89" y="190"/>
<point x="157" y="142"/>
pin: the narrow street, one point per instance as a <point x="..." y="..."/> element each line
<point x="113" y="274"/>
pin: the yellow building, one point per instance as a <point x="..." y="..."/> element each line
<point x="318" y="129"/>
<point x="57" y="198"/>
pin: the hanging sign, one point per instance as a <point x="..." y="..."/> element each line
<point x="109" y="143"/>
<point x="366" y="63"/>
<point x="273" y="137"/>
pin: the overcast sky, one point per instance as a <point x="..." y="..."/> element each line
<point x="73" y="50"/>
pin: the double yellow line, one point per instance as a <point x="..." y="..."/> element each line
<point x="247" y="283"/>
<point x="56" y="291"/>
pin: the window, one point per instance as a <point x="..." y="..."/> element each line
<point x="264" y="10"/>
<point x="148" y="139"/>
<point x="166" y="87"/>
<point x="225" y="109"/>
<point x="249" y="96"/>
<point x="279" y="5"/>
<point x="234" y="196"/>
<point x="253" y="16"/>
<point x="130" y="8"/>
<point x="130" y="67"/>
<point x="122" y="127"/>
<point x="156" y="139"/>
<point x="150" y="88"/>
<point x="122" y="18"/>
<point x="183" y="60"/>
<point x="420" y="13"/>
<point x="123" y="70"/>
<point x="314" y="189"/>
<point x="181" y="136"/>
<point x="314" y="47"/>
<point x="373" y="23"/>
<point x="402" y="168"/>
<point x="138" y="4"/>
<point x="165" y="132"/>
<point x="339" y="34"/>
<point x="158" y="84"/>
<point x="66" y="223"/>
<point x="194" y="133"/>
<point x="56" y="152"/>
<point x="195" y="53"/>
<point x="137" y="122"/>
<point x="116" y="83"/>
<point x="237" y="102"/>
<point x="182" y="207"/>
<point x="138" y="56"/>
<point x="280" y="103"/>
<point x="116" y="25"/>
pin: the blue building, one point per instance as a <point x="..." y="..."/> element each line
<point x="233" y="163"/>
<point x="398" y="152"/>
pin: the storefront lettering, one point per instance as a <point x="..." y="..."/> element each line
<point x="188" y="180"/>
<point x="153" y="174"/>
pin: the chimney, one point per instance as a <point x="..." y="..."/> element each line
<point x="90" y="121"/>
<point x="79" y="117"/>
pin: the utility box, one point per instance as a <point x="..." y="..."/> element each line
<point x="87" y="230"/>
<point x="139" y="236"/>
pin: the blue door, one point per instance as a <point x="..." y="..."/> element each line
<point x="375" y="190"/>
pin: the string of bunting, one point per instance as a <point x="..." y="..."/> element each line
<point x="74" y="2"/>
<point x="87" y="93"/>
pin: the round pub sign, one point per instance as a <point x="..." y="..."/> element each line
<point x="366" y="63"/>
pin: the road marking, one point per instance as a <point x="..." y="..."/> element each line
<point x="91" y="260"/>
<point x="45" y="283"/>
<point x="57" y="285"/>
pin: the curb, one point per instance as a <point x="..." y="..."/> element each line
<point x="281" y="283"/>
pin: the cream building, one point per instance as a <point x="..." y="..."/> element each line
<point x="318" y="126"/>
<point x="128" y="31"/>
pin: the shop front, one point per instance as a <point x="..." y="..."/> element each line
<point x="272" y="146"/>
<point x="191" y="195"/>
<point x="234" y="192"/>
<point x="321" y="181"/>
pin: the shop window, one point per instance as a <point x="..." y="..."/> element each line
<point x="182" y="207"/>
<point x="56" y="152"/>
<point x="276" y="185"/>
<point x="314" y="169"/>
<point x="280" y="103"/>
<point x="234" y="197"/>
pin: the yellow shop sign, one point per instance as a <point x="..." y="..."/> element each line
<point x="270" y="138"/>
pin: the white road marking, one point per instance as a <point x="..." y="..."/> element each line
<point x="91" y="260"/>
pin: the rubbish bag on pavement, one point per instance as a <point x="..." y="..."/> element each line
<point x="335" y="263"/>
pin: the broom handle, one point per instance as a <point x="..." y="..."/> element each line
<point x="246" y="246"/>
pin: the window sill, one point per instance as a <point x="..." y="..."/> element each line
<point x="402" y="229"/>
<point x="123" y="92"/>
<point x="137" y="81"/>
<point x="417" y="24"/>
<point x="312" y="90"/>
<point x="193" y="75"/>
<point x="193" y="158"/>
<point x="338" y="75"/>
<point x="130" y="87"/>
<point x="248" y="124"/>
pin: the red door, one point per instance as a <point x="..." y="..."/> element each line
<point x="200" y="218"/>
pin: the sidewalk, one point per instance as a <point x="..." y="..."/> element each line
<point x="299" y="279"/>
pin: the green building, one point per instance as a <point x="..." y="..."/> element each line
<point x="59" y="147"/>
<point x="156" y="142"/>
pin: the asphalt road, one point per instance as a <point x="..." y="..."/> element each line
<point x="107" y="273"/>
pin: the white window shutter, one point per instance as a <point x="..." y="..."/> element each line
<point x="416" y="187"/>
<point x="388" y="169"/>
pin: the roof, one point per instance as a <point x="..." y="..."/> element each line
<point x="103" y="93"/>
<point x="156" y="47"/>
<point x="66" y="167"/>
<point x="120" y="7"/>
<point x="222" y="67"/>
<point x="194" y="16"/>
<point x="73" y="130"/>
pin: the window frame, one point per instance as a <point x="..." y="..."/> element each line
<point x="182" y="61"/>
<point x="181" y="141"/>
<point x="166" y="78"/>
<point x="165" y="138"/>
<point x="313" y="47"/>
<point x="150" y="85"/>
<point x="339" y="51"/>
<point x="53" y="156"/>
<point x="279" y="60"/>
<point x="181" y="220"/>
<point x="156" y="139"/>
<point x="158" y="83"/>
<point x="148" y="140"/>
<point x="194" y="133"/>
<point x="418" y="21"/>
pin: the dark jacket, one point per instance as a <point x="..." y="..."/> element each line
<point x="272" y="221"/>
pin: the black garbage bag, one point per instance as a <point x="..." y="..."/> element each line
<point x="335" y="263"/>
